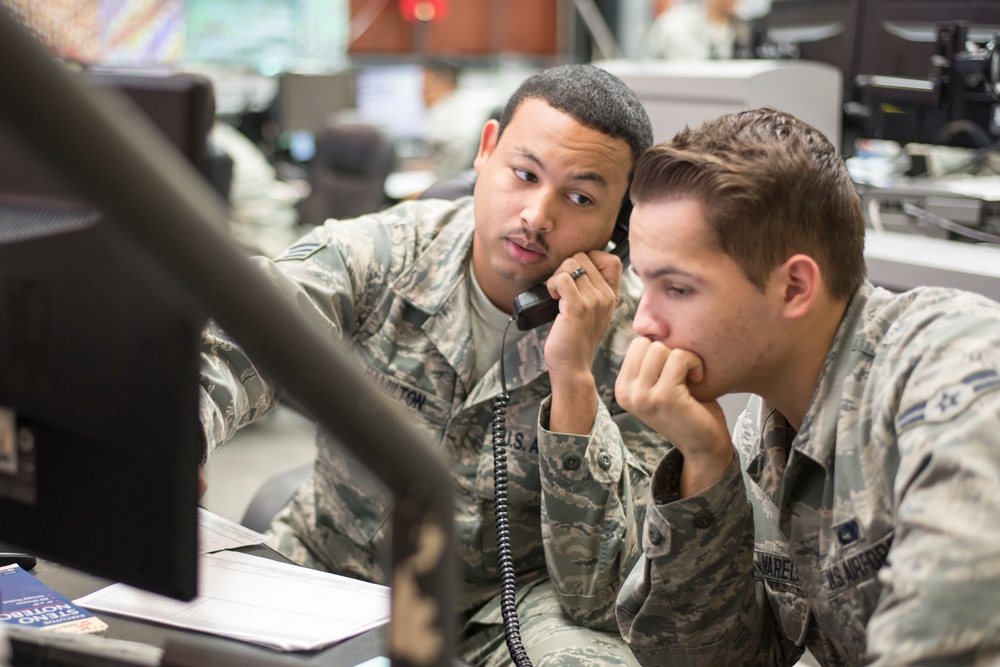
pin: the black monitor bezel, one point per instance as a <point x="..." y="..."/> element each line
<point x="110" y="398"/>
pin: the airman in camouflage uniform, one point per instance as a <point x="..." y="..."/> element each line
<point x="402" y="287"/>
<point x="859" y="517"/>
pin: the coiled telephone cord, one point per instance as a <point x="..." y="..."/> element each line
<point x="511" y="625"/>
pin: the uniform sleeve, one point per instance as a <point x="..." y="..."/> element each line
<point x="593" y="493"/>
<point x="692" y="598"/>
<point x="232" y="393"/>
<point x="941" y="583"/>
<point x="332" y="276"/>
<point x="594" y="486"/>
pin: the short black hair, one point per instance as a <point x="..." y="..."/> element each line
<point x="594" y="97"/>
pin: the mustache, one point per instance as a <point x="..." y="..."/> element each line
<point x="530" y="241"/>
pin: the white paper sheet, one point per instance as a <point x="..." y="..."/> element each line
<point x="216" y="533"/>
<point x="259" y="600"/>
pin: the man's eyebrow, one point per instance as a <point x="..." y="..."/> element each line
<point x="669" y="272"/>
<point x="593" y="176"/>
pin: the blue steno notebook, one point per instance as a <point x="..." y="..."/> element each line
<point x="27" y="602"/>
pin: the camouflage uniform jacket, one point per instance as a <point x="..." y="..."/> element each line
<point x="871" y="536"/>
<point x="394" y="284"/>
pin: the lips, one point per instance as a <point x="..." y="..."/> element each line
<point x="525" y="251"/>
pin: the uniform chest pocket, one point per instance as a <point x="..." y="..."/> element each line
<point x="352" y="507"/>
<point x="523" y="497"/>
<point x="777" y="573"/>
<point x="521" y="443"/>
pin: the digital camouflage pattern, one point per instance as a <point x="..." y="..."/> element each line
<point x="549" y="639"/>
<point x="394" y="285"/>
<point x="871" y="536"/>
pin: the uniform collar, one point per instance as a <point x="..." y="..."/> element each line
<point x="437" y="284"/>
<point x="780" y="456"/>
<point x="817" y="438"/>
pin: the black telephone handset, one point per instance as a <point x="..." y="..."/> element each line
<point x="534" y="306"/>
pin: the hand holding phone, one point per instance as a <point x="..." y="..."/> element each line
<point x="535" y="306"/>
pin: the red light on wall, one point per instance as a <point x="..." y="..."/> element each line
<point x="423" y="10"/>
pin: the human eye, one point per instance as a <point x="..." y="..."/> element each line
<point x="580" y="199"/>
<point x="525" y="175"/>
<point x="677" y="291"/>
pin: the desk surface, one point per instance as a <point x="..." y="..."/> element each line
<point x="904" y="261"/>
<point x="183" y="647"/>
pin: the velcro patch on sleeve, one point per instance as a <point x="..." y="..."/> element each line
<point x="300" y="251"/>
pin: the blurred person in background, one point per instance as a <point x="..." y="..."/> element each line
<point x="701" y="30"/>
<point x="453" y="122"/>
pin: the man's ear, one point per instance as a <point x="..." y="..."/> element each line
<point x="802" y="282"/>
<point x="487" y="143"/>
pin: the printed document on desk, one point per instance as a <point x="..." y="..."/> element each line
<point x="259" y="600"/>
<point x="216" y="533"/>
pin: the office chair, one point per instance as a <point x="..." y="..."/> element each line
<point x="348" y="172"/>
<point x="460" y="185"/>
<point x="272" y="497"/>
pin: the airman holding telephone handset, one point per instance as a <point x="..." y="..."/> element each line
<point x="586" y="305"/>
<point x="422" y="292"/>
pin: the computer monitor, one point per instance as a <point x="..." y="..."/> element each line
<point x="180" y="104"/>
<point x="899" y="37"/>
<point x="122" y="165"/>
<point x="307" y="101"/>
<point x="100" y="440"/>
<point x="823" y="31"/>
<point x="306" y="104"/>
<point x="391" y="96"/>
<point x="898" y="40"/>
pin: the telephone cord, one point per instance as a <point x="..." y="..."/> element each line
<point x="505" y="561"/>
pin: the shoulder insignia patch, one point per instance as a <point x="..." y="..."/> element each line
<point x="300" y="251"/>
<point x="949" y="401"/>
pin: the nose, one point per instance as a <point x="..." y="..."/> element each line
<point x="648" y="321"/>
<point x="539" y="212"/>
